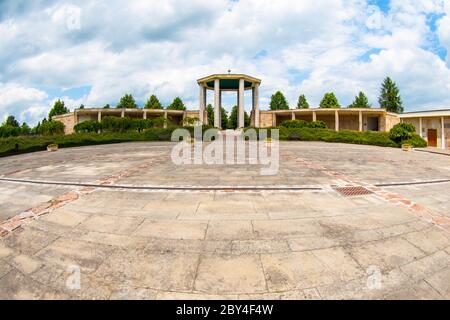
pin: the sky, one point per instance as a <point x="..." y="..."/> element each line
<point x="92" y="52"/>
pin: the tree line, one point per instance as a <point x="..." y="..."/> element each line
<point x="389" y="99"/>
<point x="128" y="102"/>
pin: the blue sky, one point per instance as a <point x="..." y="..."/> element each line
<point x="92" y="52"/>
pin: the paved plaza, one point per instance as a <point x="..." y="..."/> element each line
<point x="129" y="224"/>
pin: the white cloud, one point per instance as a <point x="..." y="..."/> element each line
<point x="162" y="47"/>
<point x="21" y="101"/>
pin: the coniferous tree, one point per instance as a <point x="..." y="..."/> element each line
<point x="210" y="113"/>
<point x="278" y="102"/>
<point x="302" y="102"/>
<point x="390" y="98"/>
<point x="177" y="104"/>
<point x="329" y="101"/>
<point x="58" y="108"/>
<point x="233" y="119"/>
<point x="153" y="103"/>
<point x="224" y="118"/>
<point x="11" y="121"/>
<point x="127" y="102"/>
<point x="360" y="101"/>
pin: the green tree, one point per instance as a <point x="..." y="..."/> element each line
<point x="127" y="102"/>
<point x="278" y="102"/>
<point x="50" y="128"/>
<point x="224" y="118"/>
<point x="25" y="129"/>
<point x="302" y="102"/>
<point x="390" y="98"/>
<point x="177" y="104"/>
<point x="58" y="108"/>
<point x="81" y="106"/>
<point x="11" y="121"/>
<point x="153" y="103"/>
<point x="106" y="106"/>
<point x="36" y="129"/>
<point x="210" y="113"/>
<point x="360" y="101"/>
<point x="329" y="101"/>
<point x="233" y="119"/>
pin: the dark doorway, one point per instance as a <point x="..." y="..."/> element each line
<point x="372" y="123"/>
<point x="432" y="137"/>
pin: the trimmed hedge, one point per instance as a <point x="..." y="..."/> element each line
<point x="303" y="124"/>
<point x="25" y="144"/>
<point x="344" y="136"/>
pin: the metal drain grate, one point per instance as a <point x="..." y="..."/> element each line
<point x="352" y="191"/>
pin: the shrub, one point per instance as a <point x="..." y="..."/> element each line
<point x="416" y="141"/>
<point x="294" y="124"/>
<point x="401" y="132"/>
<point x="159" y="122"/>
<point x="9" y="131"/>
<point x="50" y="128"/>
<point x="141" y="124"/>
<point x="115" y="124"/>
<point x="317" y="125"/>
<point x="327" y="135"/>
<point x="303" y="124"/>
<point x="88" y="126"/>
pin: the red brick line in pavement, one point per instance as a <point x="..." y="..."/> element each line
<point x="29" y="215"/>
<point x="435" y="218"/>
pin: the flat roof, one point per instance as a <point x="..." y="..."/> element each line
<point x="229" y="81"/>
<point x="426" y="113"/>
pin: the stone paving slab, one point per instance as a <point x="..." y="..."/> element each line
<point x="310" y="244"/>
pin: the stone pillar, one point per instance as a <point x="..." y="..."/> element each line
<point x="420" y="127"/>
<point x="241" y="110"/>
<point x="314" y="116"/>
<point x="165" y="119"/>
<point x="217" y="103"/>
<point x="360" y="121"/>
<point x="336" y="120"/>
<point x="443" y="132"/>
<point x="255" y="95"/>
<point x="122" y="114"/>
<point x="202" y="103"/>
<point x="292" y="115"/>
<point x="145" y="115"/>
<point x="220" y="108"/>
<point x="99" y="116"/>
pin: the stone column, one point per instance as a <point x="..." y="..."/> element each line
<point x="443" y="132"/>
<point x="220" y="108"/>
<point x="292" y="115"/>
<point x="165" y="119"/>
<point x="241" y="110"/>
<point x="217" y="103"/>
<point x="99" y="116"/>
<point x="202" y="103"/>
<point x="336" y="120"/>
<point x="314" y="116"/>
<point x="122" y="114"/>
<point x="420" y="127"/>
<point x="145" y="115"/>
<point x="255" y="95"/>
<point x="360" y="121"/>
